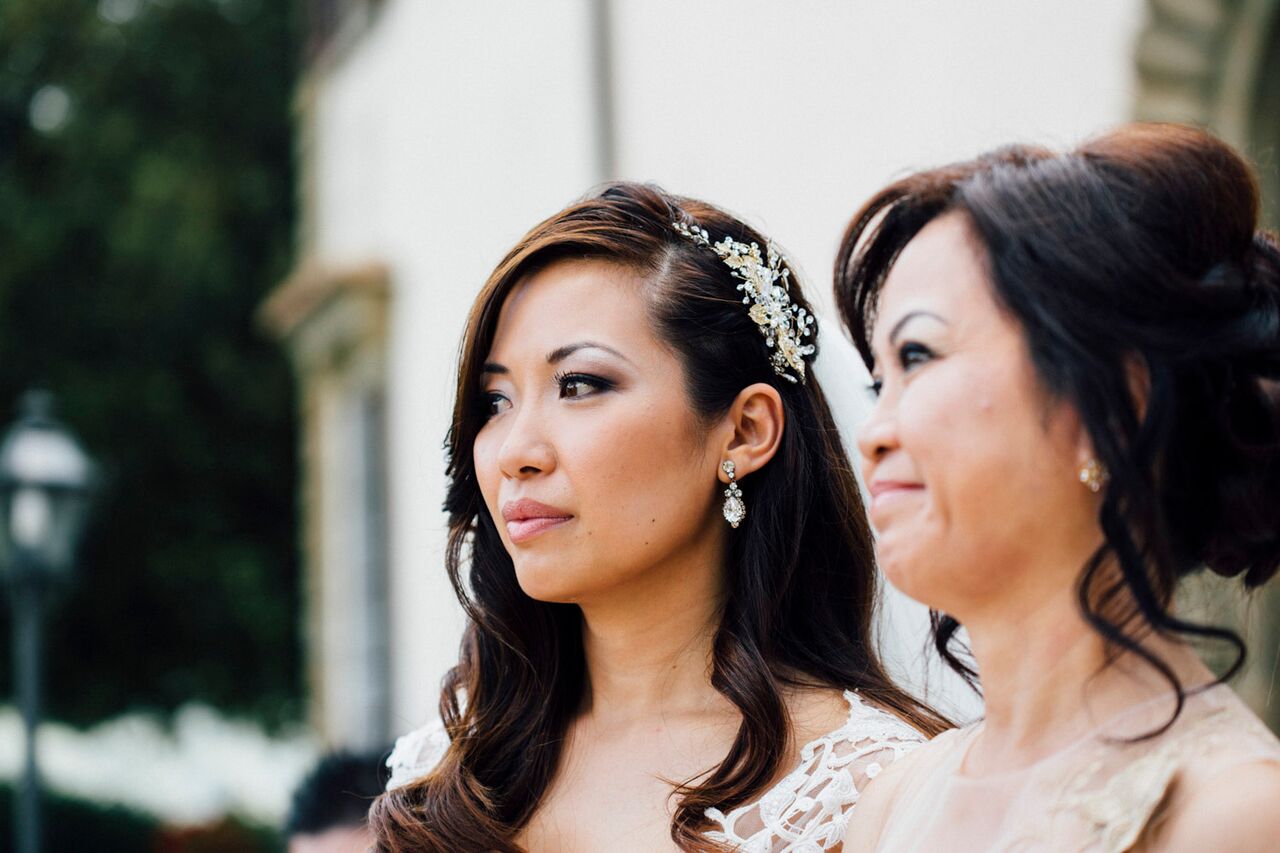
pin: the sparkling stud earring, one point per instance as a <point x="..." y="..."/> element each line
<point x="734" y="508"/>
<point x="1094" y="475"/>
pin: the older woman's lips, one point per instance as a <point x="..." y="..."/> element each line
<point x="528" y="518"/>
<point x="887" y="492"/>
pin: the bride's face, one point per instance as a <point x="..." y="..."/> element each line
<point x="592" y="464"/>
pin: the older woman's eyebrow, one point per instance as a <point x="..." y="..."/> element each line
<point x="911" y="315"/>
<point x="560" y="354"/>
<point x="492" y="367"/>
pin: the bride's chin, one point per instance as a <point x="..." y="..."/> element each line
<point x="547" y="584"/>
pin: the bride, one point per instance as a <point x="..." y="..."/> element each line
<point x="662" y="554"/>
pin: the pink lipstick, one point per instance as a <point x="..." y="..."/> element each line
<point x="527" y="518"/>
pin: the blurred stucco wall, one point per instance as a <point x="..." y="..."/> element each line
<point x="434" y="134"/>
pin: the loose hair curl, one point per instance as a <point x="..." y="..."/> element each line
<point x="800" y="578"/>
<point x="1137" y="254"/>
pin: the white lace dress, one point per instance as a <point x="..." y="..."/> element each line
<point x="806" y="812"/>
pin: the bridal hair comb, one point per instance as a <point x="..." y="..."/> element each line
<point x="766" y="288"/>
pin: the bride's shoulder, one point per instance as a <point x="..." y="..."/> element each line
<point x="871" y="720"/>
<point x="847" y="714"/>
<point x="417" y="753"/>
<point x="859" y="735"/>
<point x="844" y="743"/>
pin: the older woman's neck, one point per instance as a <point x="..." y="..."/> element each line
<point x="1046" y="681"/>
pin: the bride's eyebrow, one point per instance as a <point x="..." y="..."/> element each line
<point x="560" y="354"/>
<point x="555" y="356"/>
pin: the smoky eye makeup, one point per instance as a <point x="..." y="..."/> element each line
<point x="577" y="384"/>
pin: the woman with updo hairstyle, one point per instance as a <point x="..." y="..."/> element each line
<point x="1075" y="359"/>
<point x="662" y="554"/>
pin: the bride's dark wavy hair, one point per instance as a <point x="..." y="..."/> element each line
<point x="800" y="579"/>
<point x="1150" y="301"/>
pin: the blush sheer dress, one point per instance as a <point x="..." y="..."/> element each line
<point x="1103" y="793"/>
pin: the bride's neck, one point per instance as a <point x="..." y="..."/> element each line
<point x="648" y="648"/>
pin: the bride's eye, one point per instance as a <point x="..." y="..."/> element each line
<point x="492" y="403"/>
<point x="577" y="385"/>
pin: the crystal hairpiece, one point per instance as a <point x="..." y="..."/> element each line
<point x="766" y="288"/>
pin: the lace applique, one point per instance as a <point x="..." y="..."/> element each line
<point x="416" y="754"/>
<point x="808" y="811"/>
<point x="1119" y="811"/>
<point x="1115" y="799"/>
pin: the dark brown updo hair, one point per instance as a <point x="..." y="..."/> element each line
<point x="800" y="578"/>
<point x="1150" y="301"/>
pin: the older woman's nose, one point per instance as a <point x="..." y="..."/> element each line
<point x="879" y="433"/>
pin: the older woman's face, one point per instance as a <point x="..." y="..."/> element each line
<point x="972" y="466"/>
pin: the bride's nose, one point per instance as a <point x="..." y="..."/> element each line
<point x="526" y="449"/>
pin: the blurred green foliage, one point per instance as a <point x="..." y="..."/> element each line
<point x="72" y="826"/>
<point x="146" y="208"/>
<point x="67" y="823"/>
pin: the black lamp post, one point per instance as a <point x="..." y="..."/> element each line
<point x="45" y="479"/>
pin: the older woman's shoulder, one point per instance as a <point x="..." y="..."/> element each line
<point x="1224" y="792"/>
<point x="1233" y="809"/>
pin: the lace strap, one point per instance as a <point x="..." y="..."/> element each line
<point x="810" y="808"/>
<point x="417" y="754"/>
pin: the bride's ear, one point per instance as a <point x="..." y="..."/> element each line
<point x="755" y="423"/>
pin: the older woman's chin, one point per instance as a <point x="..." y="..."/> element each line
<point x="905" y="565"/>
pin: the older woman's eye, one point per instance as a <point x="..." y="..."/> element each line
<point x="912" y="354"/>
<point x="575" y="385"/>
<point x="874" y="388"/>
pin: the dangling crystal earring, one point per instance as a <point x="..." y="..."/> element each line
<point x="734" y="508"/>
<point x="1094" y="475"/>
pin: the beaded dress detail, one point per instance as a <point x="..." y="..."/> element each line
<point x="806" y="812"/>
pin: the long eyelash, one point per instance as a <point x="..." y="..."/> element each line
<point x="597" y="382"/>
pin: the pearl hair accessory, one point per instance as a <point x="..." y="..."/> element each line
<point x="766" y="288"/>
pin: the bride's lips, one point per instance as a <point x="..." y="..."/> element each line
<point x="528" y="518"/>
